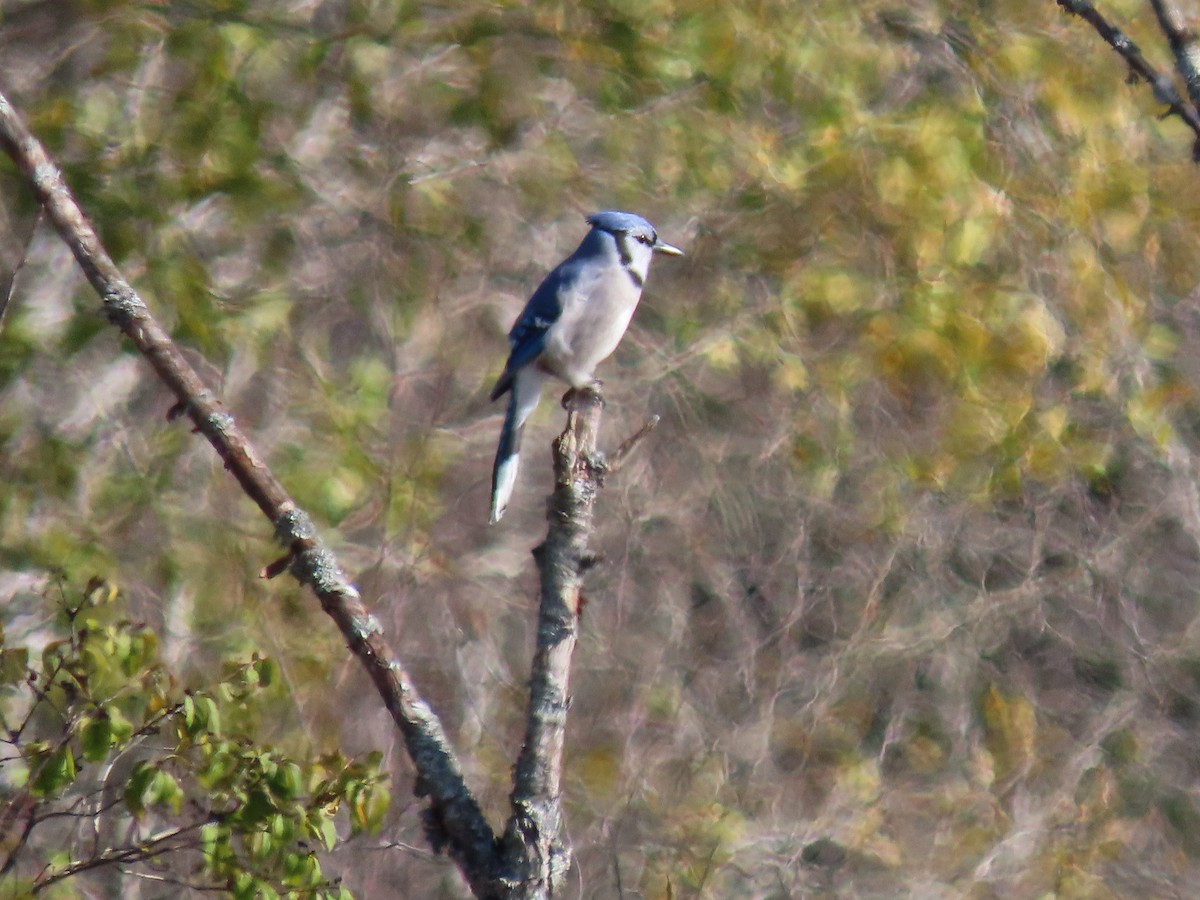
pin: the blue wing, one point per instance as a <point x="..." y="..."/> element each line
<point x="528" y="336"/>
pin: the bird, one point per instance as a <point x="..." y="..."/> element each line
<point x="573" y="321"/>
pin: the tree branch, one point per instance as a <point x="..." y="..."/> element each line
<point x="6" y="294"/>
<point x="1183" y="45"/>
<point x="456" y="820"/>
<point x="1164" y="90"/>
<point x="534" y="851"/>
<point x="143" y="850"/>
<point x="618" y="459"/>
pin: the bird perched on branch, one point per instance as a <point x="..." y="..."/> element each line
<point x="573" y="321"/>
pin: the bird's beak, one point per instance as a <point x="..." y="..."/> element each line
<point x="664" y="247"/>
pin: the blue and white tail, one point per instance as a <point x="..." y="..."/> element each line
<point x="526" y="391"/>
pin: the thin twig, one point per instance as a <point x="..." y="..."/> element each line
<point x="1164" y="89"/>
<point x="17" y="812"/>
<point x="139" y="852"/>
<point x="7" y="294"/>
<point x="172" y="880"/>
<point x="621" y="455"/>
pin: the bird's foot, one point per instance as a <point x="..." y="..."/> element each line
<point x="587" y="392"/>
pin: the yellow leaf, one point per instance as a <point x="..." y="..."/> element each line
<point x="722" y="354"/>
<point x="1160" y="343"/>
<point x="970" y="241"/>
<point x="1053" y="420"/>
<point x="1122" y="229"/>
<point x="1010" y="730"/>
<point x="600" y="771"/>
<point x="860" y="781"/>
<point x="895" y="182"/>
<point x="790" y="374"/>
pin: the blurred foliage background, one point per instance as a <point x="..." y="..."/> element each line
<point x="900" y="598"/>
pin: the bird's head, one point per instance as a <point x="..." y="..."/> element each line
<point x="635" y="238"/>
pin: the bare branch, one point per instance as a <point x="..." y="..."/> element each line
<point x="141" y="851"/>
<point x="623" y="452"/>
<point x="176" y="882"/>
<point x="1164" y="90"/>
<point x="6" y="294"/>
<point x="1183" y="45"/>
<point x="534" y="850"/>
<point x="455" y="815"/>
<point x="16" y="818"/>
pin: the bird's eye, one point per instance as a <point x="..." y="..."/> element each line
<point x="645" y="240"/>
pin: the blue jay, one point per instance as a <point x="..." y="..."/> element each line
<point x="574" y="320"/>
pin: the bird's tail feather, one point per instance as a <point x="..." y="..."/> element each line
<point x="526" y="390"/>
<point x="508" y="456"/>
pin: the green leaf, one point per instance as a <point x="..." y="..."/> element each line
<point x="260" y="844"/>
<point x="221" y="766"/>
<point x="328" y="833"/>
<point x="377" y="807"/>
<point x="212" y="715"/>
<point x="14" y="665"/>
<point x="96" y="737"/>
<point x="293" y="866"/>
<point x="188" y="708"/>
<point x="310" y="869"/>
<point x="246" y="886"/>
<point x="54" y="773"/>
<point x="135" y="788"/>
<point x="257" y="808"/>
<point x="99" y="592"/>
<point x="265" y="670"/>
<point x="165" y="791"/>
<point x="287" y="781"/>
<point x="210" y="835"/>
<point x="121" y="727"/>
<point x="54" y="653"/>
<point x="280" y="827"/>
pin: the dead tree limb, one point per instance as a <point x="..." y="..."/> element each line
<point x="534" y="848"/>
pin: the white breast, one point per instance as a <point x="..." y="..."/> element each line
<point x="595" y="314"/>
